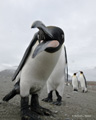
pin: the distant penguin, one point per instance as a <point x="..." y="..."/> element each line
<point x="75" y="82"/>
<point x="38" y="63"/>
<point x="83" y="82"/>
<point x="56" y="81"/>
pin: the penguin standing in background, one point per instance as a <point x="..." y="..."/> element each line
<point x="56" y="81"/>
<point x="75" y="82"/>
<point x="83" y="82"/>
<point x="36" y="66"/>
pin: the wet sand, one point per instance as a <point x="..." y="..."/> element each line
<point x="75" y="105"/>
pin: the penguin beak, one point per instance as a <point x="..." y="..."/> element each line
<point x="44" y="45"/>
<point x="41" y="26"/>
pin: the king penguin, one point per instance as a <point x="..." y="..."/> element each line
<point x="56" y="80"/>
<point x="35" y="68"/>
<point x="75" y="82"/>
<point x="83" y="82"/>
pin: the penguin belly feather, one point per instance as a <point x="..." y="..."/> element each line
<point x="57" y="77"/>
<point x="82" y="81"/>
<point x="74" y="82"/>
<point x="36" y="71"/>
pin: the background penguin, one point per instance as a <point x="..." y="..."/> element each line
<point x="35" y="68"/>
<point x="56" y="81"/>
<point x="75" y="82"/>
<point x="83" y="82"/>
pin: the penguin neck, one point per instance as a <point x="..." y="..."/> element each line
<point x="47" y="62"/>
<point x="81" y="75"/>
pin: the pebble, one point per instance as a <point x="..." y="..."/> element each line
<point x="68" y="96"/>
<point x="55" y="112"/>
<point x="67" y="119"/>
<point x="65" y="114"/>
<point x="66" y="106"/>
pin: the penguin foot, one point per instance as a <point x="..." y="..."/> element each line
<point x="57" y="103"/>
<point x="35" y="107"/>
<point x="26" y="113"/>
<point x="75" y="90"/>
<point x="47" y="100"/>
<point x="86" y="91"/>
<point x="41" y="111"/>
<point x="83" y="91"/>
<point x="29" y="115"/>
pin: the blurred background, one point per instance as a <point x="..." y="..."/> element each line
<point x="76" y="17"/>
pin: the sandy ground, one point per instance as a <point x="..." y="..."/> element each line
<point x="75" y="105"/>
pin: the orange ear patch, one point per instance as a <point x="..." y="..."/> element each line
<point x="53" y="44"/>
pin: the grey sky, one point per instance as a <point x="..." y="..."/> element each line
<point x="76" y="17"/>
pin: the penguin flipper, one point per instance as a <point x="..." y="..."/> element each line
<point x="10" y="95"/>
<point x="15" y="91"/>
<point x="27" y="52"/>
<point x="66" y="62"/>
<point x="85" y="80"/>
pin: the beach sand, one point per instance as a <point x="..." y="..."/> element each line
<point x="75" y="105"/>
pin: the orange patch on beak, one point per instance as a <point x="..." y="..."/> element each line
<point x="53" y="44"/>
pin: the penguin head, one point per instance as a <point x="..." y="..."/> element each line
<point x="50" y="38"/>
<point x="74" y="74"/>
<point x="81" y="72"/>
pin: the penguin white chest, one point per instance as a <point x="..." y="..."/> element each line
<point x="74" y="82"/>
<point x="57" y="75"/>
<point x="36" y="71"/>
<point x="82" y="81"/>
